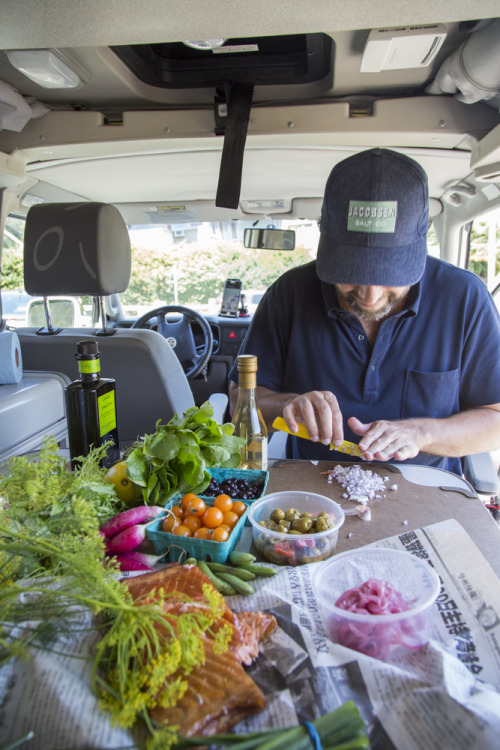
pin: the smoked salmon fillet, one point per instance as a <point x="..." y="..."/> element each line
<point x="218" y="696"/>
<point x="249" y="628"/>
<point x="219" y="692"/>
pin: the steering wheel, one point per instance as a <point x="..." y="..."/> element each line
<point x="179" y="334"/>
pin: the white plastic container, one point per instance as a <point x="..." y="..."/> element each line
<point x="290" y="549"/>
<point x="379" y="635"/>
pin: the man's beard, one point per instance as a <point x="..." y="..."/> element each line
<point x="356" y="306"/>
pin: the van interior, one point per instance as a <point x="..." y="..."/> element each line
<point x="221" y="117"/>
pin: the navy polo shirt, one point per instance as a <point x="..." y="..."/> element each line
<point x="440" y="355"/>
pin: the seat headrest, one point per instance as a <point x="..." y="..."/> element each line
<point x="76" y="248"/>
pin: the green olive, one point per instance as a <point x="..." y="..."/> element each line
<point x="282" y="528"/>
<point x="306" y="515"/>
<point x="277" y="515"/>
<point x="302" y="524"/>
<point x="291" y="513"/>
<point x="322" y="524"/>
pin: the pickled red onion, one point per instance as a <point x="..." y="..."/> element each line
<point x="373" y="597"/>
<point x="375" y="638"/>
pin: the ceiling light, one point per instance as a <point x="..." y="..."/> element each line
<point x="205" y="44"/>
<point x="44" y="68"/>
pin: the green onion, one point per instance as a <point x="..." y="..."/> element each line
<point x="342" y="729"/>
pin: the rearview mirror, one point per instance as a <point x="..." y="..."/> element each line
<point x="269" y="239"/>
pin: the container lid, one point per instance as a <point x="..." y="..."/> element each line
<point x="412" y="577"/>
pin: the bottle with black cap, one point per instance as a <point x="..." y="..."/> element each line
<point x="91" y="408"/>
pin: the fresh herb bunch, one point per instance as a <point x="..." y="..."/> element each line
<point x="174" y="459"/>
<point x="38" y="491"/>
<point x="52" y="573"/>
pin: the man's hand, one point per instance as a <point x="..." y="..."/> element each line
<point x="383" y="440"/>
<point x="319" y="411"/>
<point x="472" y="431"/>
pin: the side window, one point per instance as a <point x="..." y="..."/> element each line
<point x="484" y="249"/>
<point x="21" y="309"/>
<point x="14" y="298"/>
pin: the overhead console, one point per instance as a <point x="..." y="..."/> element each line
<point x="295" y="59"/>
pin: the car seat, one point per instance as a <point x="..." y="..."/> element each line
<point x="84" y="249"/>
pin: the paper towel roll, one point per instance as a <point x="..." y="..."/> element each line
<point x="11" y="363"/>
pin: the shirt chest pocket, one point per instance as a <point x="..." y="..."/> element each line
<point x="430" y="394"/>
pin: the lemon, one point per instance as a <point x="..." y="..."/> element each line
<point x="125" y="488"/>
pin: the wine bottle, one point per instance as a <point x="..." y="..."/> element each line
<point x="247" y="420"/>
<point x="91" y="408"/>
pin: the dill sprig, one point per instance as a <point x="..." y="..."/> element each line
<point x="53" y="571"/>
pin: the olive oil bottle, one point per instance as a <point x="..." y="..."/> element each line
<point x="248" y="421"/>
<point x="91" y="408"/>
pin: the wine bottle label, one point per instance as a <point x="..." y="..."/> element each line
<point x="88" y="366"/>
<point x="107" y="412"/>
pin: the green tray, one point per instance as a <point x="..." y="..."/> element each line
<point x="179" y="548"/>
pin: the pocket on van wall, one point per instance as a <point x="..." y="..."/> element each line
<point x="430" y="394"/>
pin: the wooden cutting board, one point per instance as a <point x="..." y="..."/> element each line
<point x="408" y="507"/>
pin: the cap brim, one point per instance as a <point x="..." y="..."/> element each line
<point x="370" y="266"/>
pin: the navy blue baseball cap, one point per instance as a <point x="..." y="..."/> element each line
<point x="374" y="221"/>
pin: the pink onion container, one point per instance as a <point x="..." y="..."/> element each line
<point x="407" y="582"/>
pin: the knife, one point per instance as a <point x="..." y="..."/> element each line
<point x="352" y="449"/>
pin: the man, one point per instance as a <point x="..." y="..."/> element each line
<point x="375" y="341"/>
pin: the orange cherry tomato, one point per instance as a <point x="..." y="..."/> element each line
<point x="223" y="502"/>
<point x="219" y="534"/>
<point x="170" y="522"/>
<point x="187" y="498"/>
<point x="225" y="526"/>
<point x="201" y="533"/>
<point x="193" y="523"/>
<point x="230" y="518"/>
<point x="177" y="511"/>
<point x="212" y="517"/>
<point x="182" y="530"/>
<point x="239" y="507"/>
<point x="195" y="507"/>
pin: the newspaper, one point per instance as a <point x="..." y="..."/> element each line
<point x="445" y="695"/>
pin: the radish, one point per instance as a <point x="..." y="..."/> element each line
<point x="126" y="540"/>
<point x="130" y="517"/>
<point x="137" y="560"/>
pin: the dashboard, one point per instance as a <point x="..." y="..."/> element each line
<point x="228" y="334"/>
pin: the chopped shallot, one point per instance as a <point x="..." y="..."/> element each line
<point x="361" y="485"/>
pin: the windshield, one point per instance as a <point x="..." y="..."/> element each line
<point x="187" y="264"/>
<point x="172" y="264"/>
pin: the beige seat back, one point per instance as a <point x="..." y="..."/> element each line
<point x="84" y="249"/>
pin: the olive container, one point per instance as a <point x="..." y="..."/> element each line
<point x="294" y="549"/>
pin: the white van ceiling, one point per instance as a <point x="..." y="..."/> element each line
<point x="120" y="138"/>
